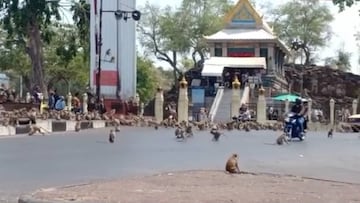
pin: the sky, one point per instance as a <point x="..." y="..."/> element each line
<point x="344" y="27"/>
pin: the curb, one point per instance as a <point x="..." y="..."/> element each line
<point x="52" y="126"/>
<point x="30" y="199"/>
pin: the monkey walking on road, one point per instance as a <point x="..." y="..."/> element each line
<point x="216" y="134"/>
<point x="282" y="139"/>
<point x="77" y="126"/>
<point x="34" y="129"/>
<point x="232" y="164"/>
<point x="179" y="133"/>
<point x="112" y="136"/>
<point x="330" y="133"/>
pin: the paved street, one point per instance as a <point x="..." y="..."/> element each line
<point x="29" y="163"/>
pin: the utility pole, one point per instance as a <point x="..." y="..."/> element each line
<point x="99" y="46"/>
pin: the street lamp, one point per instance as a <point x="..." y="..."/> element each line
<point x="119" y="15"/>
<point x="296" y="44"/>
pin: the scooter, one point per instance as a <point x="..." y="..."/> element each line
<point x="292" y="127"/>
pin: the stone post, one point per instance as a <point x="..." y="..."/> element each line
<point x="69" y="101"/>
<point x="310" y="110"/>
<point x="85" y="103"/>
<point x="332" y="112"/>
<point x="354" y="107"/>
<point x="142" y="106"/>
<point x="28" y="97"/>
<point x="159" y="105"/>
<point x="287" y="104"/>
<point x="183" y="102"/>
<point x="235" y="99"/>
<point x="261" y="106"/>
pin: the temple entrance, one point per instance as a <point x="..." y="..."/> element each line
<point x="243" y="74"/>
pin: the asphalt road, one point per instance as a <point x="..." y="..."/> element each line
<point x="30" y="163"/>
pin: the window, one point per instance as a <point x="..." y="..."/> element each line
<point x="218" y="49"/>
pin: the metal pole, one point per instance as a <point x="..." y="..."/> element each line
<point x="99" y="44"/>
<point x="21" y="86"/>
<point x="118" y="23"/>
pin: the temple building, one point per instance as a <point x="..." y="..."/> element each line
<point x="246" y="47"/>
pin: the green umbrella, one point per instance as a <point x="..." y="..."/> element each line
<point x="289" y="97"/>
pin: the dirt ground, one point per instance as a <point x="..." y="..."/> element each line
<point x="209" y="187"/>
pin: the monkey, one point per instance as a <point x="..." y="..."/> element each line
<point x="330" y="133"/>
<point x="77" y="126"/>
<point x="112" y="136"/>
<point x="117" y="128"/>
<point x="281" y="139"/>
<point x="188" y="131"/>
<point x="35" y="128"/>
<point x="216" y="134"/>
<point x="179" y="133"/>
<point x="232" y="164"/>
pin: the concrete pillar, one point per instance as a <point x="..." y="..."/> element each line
<point x="271" y="60"/>
<point x="85" y="103"/>
<point x="287" y="104"/>
<point x="28" y="97"/>
<point x="310" y="110"/>
<point x="332" y="112"/>
<point x="224" y="50"/>
<point x="212" y="51"/>
<point x="159" y="105"/>
<point x="354" y="107"/>
<point x="142" y="109"/>
<point x="183" y="103"/>
<point x="69" y="101"/>
<point x="257" y="50"/>
<point x="235" y="99"/>
<point x="261" y="107"/>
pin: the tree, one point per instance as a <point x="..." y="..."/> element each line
<point x="170" y="34"/>
<point x="342" y="60"/>
<point x="81" y="17"/>
<point x="27" y="22"/>
<point x="160" y="33"/>
<point x="205" y="17"/>
<point x="146" y="78"/>
<point x="59" y="55"/>
<point x="305" y="20"/>
<point x="342" y="3"/>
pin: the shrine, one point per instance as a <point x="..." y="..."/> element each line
<point x="246" y="47"/>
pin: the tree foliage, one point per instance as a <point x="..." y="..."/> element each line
<point x="205" y="17"/>
<point x="64" y="58"/>
<point x="306" y="20"/>
<point x="170" y="34"/>
<point x="81" y="17"/>
<point x="342" y="60"/>
<point x="344" y="3"/>
<point x="147" y="79"/>
<point x="27" y="23"/>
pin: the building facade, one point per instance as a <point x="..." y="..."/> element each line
<point x="118" y="57"/>
<point x="248" y="37"/>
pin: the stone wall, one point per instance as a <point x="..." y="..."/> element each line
<point x="322" y="83"/>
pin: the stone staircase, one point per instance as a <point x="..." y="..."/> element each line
<point x="224" y="108"/>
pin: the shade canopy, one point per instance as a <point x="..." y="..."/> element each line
<point x="289" y="97"/>
<point x="214" y="66"/>
<point x="212" y="70"/>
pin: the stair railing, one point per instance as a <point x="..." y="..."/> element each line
<point x="216" y="102"/>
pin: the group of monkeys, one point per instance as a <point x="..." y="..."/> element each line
<point x="114" y="122"/>
<point x="185" y="130"/>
